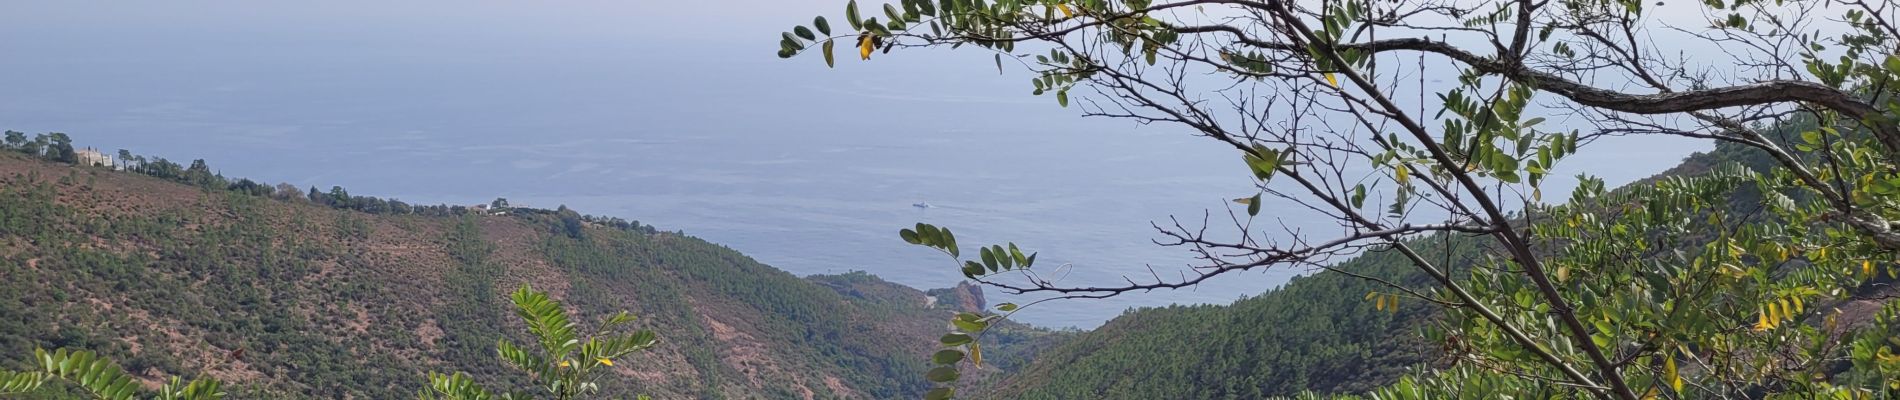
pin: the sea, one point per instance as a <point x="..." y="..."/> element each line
<point x="809" y="169"/>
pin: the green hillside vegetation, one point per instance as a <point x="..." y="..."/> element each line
<point x="1317" y="334"/>
<point x="177" y="272"/>
<point x="1726" y="280"/>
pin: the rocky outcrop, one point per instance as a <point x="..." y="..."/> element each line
<point x="965" y="297"/>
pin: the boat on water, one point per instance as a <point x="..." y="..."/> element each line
<point x="921" y="204"/>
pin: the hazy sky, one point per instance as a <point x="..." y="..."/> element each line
<point x="663" y="112"/>
<point x="174" y="77"/>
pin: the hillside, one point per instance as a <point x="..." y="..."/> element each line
<point x="1315" y="333"/>
<point x="288" y="298"/>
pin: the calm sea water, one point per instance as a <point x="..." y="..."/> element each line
<point x="808" y="169"/>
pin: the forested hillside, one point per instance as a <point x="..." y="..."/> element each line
<point x="345" y="297"/>
<point x="1318" y="333"/>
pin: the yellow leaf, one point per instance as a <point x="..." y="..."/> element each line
<point x="605" y="362"/>
<point x="1244" y="200"/>
<point x="864" y="47"/>
<point x="1867" y="267"/>
<point x="1404" y="175"/>
<point x="1669" y="373"/>
<point x="976" y="354"/>
<point x="1563" y="273"/>
<point x="1332" y="79"/>
<point x="1761" y="321"/>
<point x="565" y="364"/>
<point x="1379" y="303"/>
<point x="1065" y="10"/>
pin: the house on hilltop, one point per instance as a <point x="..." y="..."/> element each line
<point x="92" y="158"/>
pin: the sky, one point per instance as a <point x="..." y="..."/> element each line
<point x="673" y="113"/>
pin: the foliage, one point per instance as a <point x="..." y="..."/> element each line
<point x="565" y="367"/>
<point x="101" y="378"/>
<point x="1707" y="286"/>
<point x="1315" y="333"/>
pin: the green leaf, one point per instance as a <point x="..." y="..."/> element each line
<point x="1062" y="97"/>
<point x="942" y="374"/>
<point x="972" y="269"/>
<point x="909" y="236"/>
<point x="989" y="259"/>
<point x="1359" y="196"/>
<point x="930" y="235"/>
<point x="97" y="375"/>
<point x="458" y="386"/>
<point x="1264" y="164"/>
<point x="804" y="32"/>
<point x="1253" y="207"/>
<point x="203" y="388"/>
<point x="22" y="382"/>
<point x="520" y="359"/>
<point x="1533" y="122"/>
<point x="1398" y="203"/>
<point x="851" y="15"/>
<point x="1508" y="176"/>
<point x="955" y="339"/>
<point x="830" y="60"/>
<point x="1006" y="307"/>
<point x="942" y="393"/>
<point x="950" y="242"/>
<point x="947" y="357"/>
<point x="823" y="26"/>
<point x="972" y="326"/>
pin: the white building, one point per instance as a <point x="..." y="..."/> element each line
<point x="92" y="158"/>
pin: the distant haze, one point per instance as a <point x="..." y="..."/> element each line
<point x="675" y="115"/>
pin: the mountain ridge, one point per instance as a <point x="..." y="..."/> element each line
<point x="288" y="298"/>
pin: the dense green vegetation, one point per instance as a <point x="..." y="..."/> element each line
<point x="1316" y="333"/>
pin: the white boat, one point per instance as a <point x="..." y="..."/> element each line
<point x="921" y="204"/>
